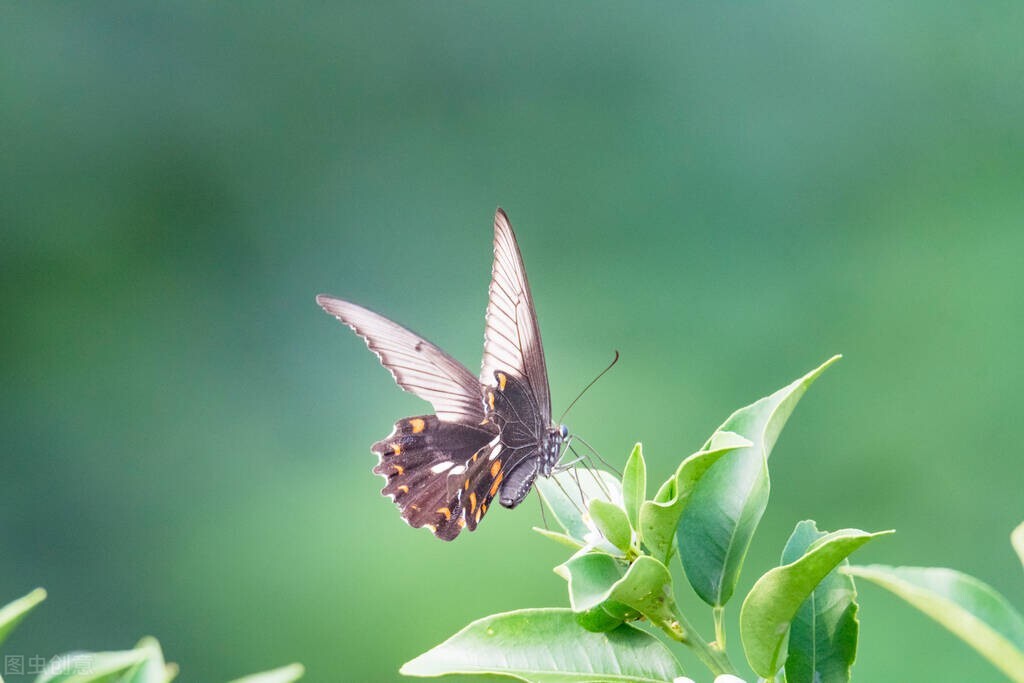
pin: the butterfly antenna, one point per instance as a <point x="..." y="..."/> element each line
<point x="580" y="395"/>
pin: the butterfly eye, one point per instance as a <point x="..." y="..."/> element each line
<point x="564" y="431"/>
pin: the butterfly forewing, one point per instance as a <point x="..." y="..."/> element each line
<point x="417" y="365"/>
<point x="512" y="338"/>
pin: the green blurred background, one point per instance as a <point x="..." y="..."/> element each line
<point x="728" y="194"/>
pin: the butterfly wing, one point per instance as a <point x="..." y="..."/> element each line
<point x="440" y="474"/>
<point x="417" y="365"/>
<point x="437" y="467"/>
<point x="512" y="338"/>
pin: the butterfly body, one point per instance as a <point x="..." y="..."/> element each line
<point x="535" y="446"/>
<point x="489" y="437"/>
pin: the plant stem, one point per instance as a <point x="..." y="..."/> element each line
<point x="719" y="613"/>
<point x="712" y="656"/>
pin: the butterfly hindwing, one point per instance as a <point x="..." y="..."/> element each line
<point x="426" y="462"/>
<point x="481" y="483"/>
<point x="513" y="408"/>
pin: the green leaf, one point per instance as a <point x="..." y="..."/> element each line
<point x="1017" y="539"/>
<point x="605" y="617"/>
<point x="545" y="646"/>
<point x="972" y="610"/>
<point x="153" y="668"/>
<point x="659" y="517"/>
<point x="645" y="587"/>
<point x="823" y="635"/>
<point x="561" y="493"/>
<point x="719" y="523"/>
<point x="591" y="576"/>
<point x="92" y="667"/>
<point x="612" y="522"/>
<point x="772" y="603"/>
<point x="634" y="485"/>
<point x="144" y="664"/>
<point x="11" y="614"/>
<point x="728" y="502"/>
<point x="560" y="538"/>
<point x="286" y="674"/>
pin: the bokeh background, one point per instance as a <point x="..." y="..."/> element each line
<point x="727" y="194"/>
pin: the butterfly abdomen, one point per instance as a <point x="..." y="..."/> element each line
<point x="517" y="484"/>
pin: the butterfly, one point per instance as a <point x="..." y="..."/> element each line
<point x="488" y="437"/>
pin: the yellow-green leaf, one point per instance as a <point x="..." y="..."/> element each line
<point x="14" y="612"/>
<point x="548" y="646"/>
<point x="971" y="609"/>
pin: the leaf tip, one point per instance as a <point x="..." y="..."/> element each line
<point x="826" y="365"/>
<point x="425" y="666"/>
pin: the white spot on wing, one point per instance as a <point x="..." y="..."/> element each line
<point x="494" y="453"/>
<point x="441" y="467"/>
<point x="458" y="469"/>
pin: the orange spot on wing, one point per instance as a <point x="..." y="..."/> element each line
<point x="403" y="488"/>
<point x="497" y="483"/>
<point x="418" y="425"/>
<point x="446" y="512"/>
<point x="472" y="501"/>
<point x="466" y="485"/>
<point x="462" y="522"/>
<point x="490" y="399"/>
<point x="495" y="468"/>
<point x="396" y="449"/>
<point x="501" y="381"/>
<point x="398" y="469"/>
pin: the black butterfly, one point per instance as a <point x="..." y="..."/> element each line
<point x="488" y="437"/>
